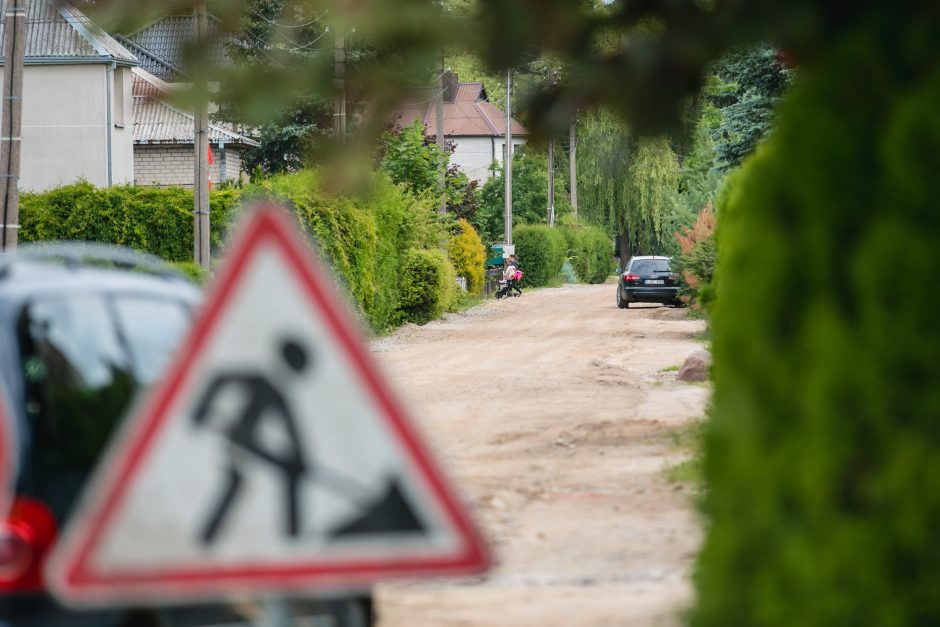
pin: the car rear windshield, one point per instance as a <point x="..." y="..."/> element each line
<point x="83" y="358"/>
<point x="645" y="267"/>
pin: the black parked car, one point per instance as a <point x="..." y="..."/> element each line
<point x="648" y="280"/>
<point x="81" y="329"/>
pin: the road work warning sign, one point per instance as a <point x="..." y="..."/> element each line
<point x="272" y="458"/>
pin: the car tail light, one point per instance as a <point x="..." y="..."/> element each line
<point x="631" y="277"/>
<point x="25" y="537"/>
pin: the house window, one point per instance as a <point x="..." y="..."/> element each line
<point x="118" y="98"/>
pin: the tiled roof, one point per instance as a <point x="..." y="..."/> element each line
<point x="469" y="116"/>
<point x="156" y="122"/>
<point x="162" y="45"/>
<point x="151" y="62"/>
<point x="469" y="92"/>
<point x="55" y="30"/>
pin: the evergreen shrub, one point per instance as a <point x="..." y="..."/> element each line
<point x="468" y="256"/>
<point x="590" y="251"/>
<point x="821" y="455"/>
<point x="541" y="251"/>
<point x="428" y="285"/>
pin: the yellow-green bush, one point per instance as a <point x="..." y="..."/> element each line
<point x="428" y="285"/>
<point x="468" y="256"/>
<point x="821" y="457"/>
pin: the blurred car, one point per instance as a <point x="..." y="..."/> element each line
<point x="82" y="328"/>
<point x="648" y="279"/>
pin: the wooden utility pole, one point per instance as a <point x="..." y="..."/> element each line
<point x="339" y="86"/>
<point x="201" y="133"/>
<point x="573" y="164"/>
<point x="550" y="218"/>
<point x="14" y="49"/>
<point x="439" y="115"/>
<point x="507" y="162"/>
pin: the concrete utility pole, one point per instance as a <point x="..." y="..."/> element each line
<point x="573" y="164"/>
<point x="550" y="218"/>
<point x="339" y="84"/>
<point x="507" y="161"/>
<point x="201" y="132"/>
<point x="439" y="114"/>
<point x="14" y="49"/>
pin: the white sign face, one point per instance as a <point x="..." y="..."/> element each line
<point x="272" y="457"/>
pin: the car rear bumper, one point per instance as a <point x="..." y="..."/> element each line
<point x="651" y="294"/>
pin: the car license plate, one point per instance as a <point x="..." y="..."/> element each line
<point x="655" y="282"/>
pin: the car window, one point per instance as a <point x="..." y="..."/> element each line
<point x="81" y="369"/>
<point x="153" y="329"/>
<point x="650" y="266"/>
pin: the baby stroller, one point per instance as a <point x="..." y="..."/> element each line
<point x="509" y="286"/>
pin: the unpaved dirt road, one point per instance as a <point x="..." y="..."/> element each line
<point x="554" y="413"/>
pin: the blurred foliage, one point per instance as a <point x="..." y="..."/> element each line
<point x="529" y="195"/>
<point x="192" y="271"/>
<point x="821" y="454"/>
<point x="428" y="285"/>
<point x="276" y="34"/>
<point x="468" y="255"/>
<point x="151" y="219"/>
<point x="590" y="252"/>
<point x="541" y="251"/>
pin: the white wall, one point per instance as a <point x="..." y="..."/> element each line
<point x="164" y="165"/>
<point x="475" y="155"/>
<point x="122" y="127"/>
<point x="64" y="125"/>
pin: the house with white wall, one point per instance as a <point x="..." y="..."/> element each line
<point x="77" y="110"/>
<point x="475" y="126"/>
<point x="163" y="131"/>
<point x="164" y="139"/>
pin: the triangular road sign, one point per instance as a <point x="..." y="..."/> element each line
<point x="272" y="459"/>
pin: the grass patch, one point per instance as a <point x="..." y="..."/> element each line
<point x="688" y="440"/>
<point x="673" y="368"/>
<point x="466" y="301"/>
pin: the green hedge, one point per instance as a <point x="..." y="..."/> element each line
<point x="366" y="239"/>
<point x="590" y="251"/>
<point x="155" y="220"/>
<point x="428" y="285"/>
<point x="541" y="251"/>
<point x="821" y="456"/>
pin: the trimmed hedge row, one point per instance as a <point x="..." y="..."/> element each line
<point x="590" y="251"/>
<point x="367" y="240"/>
<point x="155" y="220"/>
<point x="541" y="251"/>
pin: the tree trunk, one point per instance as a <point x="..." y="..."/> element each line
<point x="623" y="250"/>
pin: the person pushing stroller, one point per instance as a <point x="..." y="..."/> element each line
<point x="512" y="275"/>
